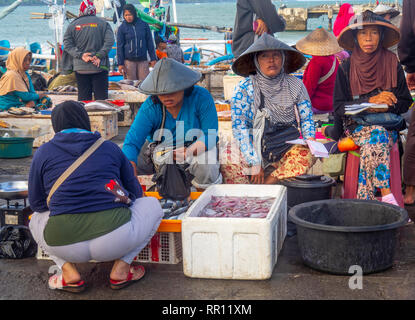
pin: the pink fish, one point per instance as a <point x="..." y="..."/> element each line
<point x="237" y="207"/>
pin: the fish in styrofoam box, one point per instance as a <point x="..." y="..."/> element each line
<point x="237" y="207"/>
<point x="234" y="248"/>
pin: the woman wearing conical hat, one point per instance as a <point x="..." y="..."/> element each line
<point x="16" y="88"/>
<point x="190" y="125"/>
<point x="371" y="75"/>
<point x="320" y="74"/>
<point x="269" y="100"/>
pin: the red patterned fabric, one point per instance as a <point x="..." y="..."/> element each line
<point x="87" y="8"/>
<point x="297" y="161"/>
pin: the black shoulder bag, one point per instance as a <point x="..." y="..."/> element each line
<point x="148" y="153"/>
<point x="172" y="180"/>
<point x="274" y="137"/>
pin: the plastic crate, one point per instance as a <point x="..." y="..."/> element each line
<point x="164" y="247"/>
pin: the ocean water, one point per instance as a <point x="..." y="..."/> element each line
<point x="20" y="29"/>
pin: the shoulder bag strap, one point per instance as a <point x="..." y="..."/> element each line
<point x="328" y="75"/>
<point x="73" y="167"/>
<point x="261" y="104"/>
<point x="27" y="86"/>
<point x="163" y="121"/>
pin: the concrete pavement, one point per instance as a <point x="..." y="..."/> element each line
<point x="27" y="278"/>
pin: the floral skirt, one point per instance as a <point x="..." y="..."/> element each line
<point x="297" y="161"/>
<point x="375" y="143"/>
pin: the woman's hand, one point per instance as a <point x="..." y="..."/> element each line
<point x="96" y="61"/>
<point x="410" y="80"/>
<point x="257" y="176"/>
<point x="262" y="27"/>
<point x="41" y="95"/>
<point x="121" y="69"/>
<point x="386" y="97"/>
<point x="86" y="57"/>
<point x="323" y="130"/>
<point x="180" y="154"/>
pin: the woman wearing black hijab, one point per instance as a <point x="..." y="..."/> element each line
<point x="134" y="41"/>
<point x="70" y="114"/>
<point x="97" y="212"/>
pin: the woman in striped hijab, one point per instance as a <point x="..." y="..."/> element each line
<point x="270" y="100"/>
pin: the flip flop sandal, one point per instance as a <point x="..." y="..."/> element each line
<point x="119" y="284"/>
<point x="57" y="282"/>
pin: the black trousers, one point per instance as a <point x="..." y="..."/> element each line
<point x="96" y="83"/>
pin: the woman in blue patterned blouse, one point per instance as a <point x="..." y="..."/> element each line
<point x="271" y="98"/>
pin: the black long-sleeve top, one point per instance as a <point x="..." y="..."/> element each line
<point x="343" y="96"/>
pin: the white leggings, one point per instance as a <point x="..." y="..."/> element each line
<point x="122" y="243"/>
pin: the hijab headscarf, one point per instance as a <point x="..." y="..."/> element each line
<point x="343" y="18"/>
<point x="131" y="9"/>
<point x="15" y="79"/>
<point x="279" y="93"/>
<point x="371" y="71"/>
<point x="87" y="8"/>
<point x="70" y="114"/>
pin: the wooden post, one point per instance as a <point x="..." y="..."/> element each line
<point x="330" y="16"/>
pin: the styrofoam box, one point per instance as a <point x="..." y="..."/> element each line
<point x="229" y="84"/>
<point x="234" y="248"/>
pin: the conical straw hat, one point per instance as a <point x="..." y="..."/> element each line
<point x="368" y="18"/>
<point x="320" y="42"/>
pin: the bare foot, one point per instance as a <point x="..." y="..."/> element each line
<point x="70" y="274"/>
<point x="408" y="199"/>
<point x="121" y="269"/>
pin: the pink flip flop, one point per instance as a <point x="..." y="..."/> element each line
<point x="57" y="282"/>
<point x="119" y="284"/>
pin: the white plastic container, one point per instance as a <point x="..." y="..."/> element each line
<point x="234" y="248"/>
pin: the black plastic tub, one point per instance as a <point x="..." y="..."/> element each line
<point x="334" y="235"/>
<point x="306" y="188"/>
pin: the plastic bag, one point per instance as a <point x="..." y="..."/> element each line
<point x="335" y="164"/>
<point x="16" y="242"/>
<point x="173" y="182"/>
